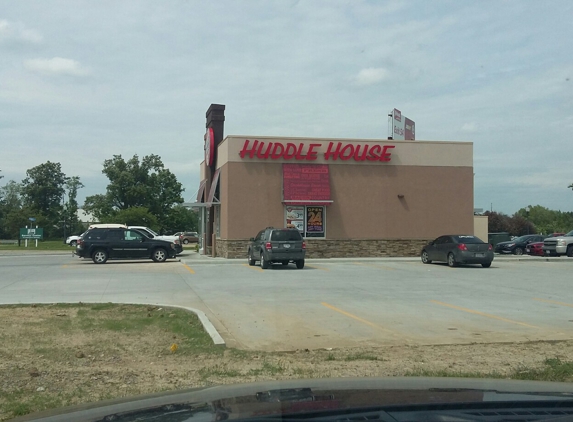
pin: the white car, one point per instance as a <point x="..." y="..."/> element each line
<point x="72" y="240"/>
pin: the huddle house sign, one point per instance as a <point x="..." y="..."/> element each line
<point x="310" y="152"/>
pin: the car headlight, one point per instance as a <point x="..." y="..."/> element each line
<point x="173" y="246"/>
<point x="561" y="242"/>
<point x="510" y="245"/>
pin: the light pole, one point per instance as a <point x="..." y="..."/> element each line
<point x="527" y="209"/>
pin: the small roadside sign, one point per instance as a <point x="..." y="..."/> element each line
<point x="35" y="233"/>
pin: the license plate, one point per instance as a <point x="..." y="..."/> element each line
<point x="480" y="255"/>
<point x="527" y="250"/>
<point x="287" y="246"/>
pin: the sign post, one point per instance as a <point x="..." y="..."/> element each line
<point x="31" y="233"/>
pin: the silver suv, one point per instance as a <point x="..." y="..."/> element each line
<point x="277" y="245"/>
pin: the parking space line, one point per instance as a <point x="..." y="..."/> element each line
<point x="471" y="311"/>
<point x="189" y="268"/>
<point x="317" y="268"/>
<point x="554" y="302"/>
<point x="252" y="267"/>
<point x="382" y="267"/>
<point x="357" y="318"/>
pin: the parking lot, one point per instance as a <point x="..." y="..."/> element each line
<point x="328" y="304"/>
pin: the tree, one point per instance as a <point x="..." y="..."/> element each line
<point x="181" y="218"/>
<point x="136" y="216"/>
<point x="71" y="208"/>
<point x="10" y="206"/>
<point x="133" y="183"/>
<point x="43" y="189"/>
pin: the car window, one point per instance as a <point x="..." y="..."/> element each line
<point x="259" y="235"/>
<point x="285" y="235"/>
<point x="96" y="234"/>
<point x="468" y="239"/>
<point x="442" y="240"/>
<point x="115" y="234"/>
<point x="133" y="235"/>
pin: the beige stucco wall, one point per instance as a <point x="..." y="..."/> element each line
<point x="481" y="227"/>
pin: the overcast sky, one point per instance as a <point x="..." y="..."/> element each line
<point x="81" y="81"/>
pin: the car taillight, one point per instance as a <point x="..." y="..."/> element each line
<point x="462" y="247"/>
<point x="80" y="242"/>
<point x="268" y="245"/>
<point x="489" y="247"/>
<point x="304" y="245"/>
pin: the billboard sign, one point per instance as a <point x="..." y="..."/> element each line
<point x="403" y="129"/>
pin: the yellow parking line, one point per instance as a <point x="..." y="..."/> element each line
<point x="189" y="268"/>
<point x="362" y="320"/>
<point x="382" y="267"/>
<point x="252" y="267"/>
<point x="554" y="302"/>
<point x="317" y="268"/>
<point x="65" y="266"/>
<point x="471" y="311"/>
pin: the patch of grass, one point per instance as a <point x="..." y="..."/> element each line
<point x="360" y="356"/>
<point x="554" y="370"/>
<point x="268" y="368"/>
<point x="20" y="402"/>
<point x="43" y="245"/>
<point x="331" y="357"/>
<point x="218" y="371"/>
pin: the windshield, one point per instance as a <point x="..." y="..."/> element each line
<point x="324" y="190"/>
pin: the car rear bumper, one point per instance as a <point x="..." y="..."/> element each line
<point x="465" y="257"/>
<point x="278" y="256"/>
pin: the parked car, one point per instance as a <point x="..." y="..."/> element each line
<point x="557" y="246"/>
<point x="458" y="249"/>
<point x="517" y="246"/>
<point x="72" y="240"/>
<point x="153" y="235"/>
<point x="277" y="245"/>
<point x="536" y="248"/>
<point x="187" y="237"/>
<point x="101" y="244"/>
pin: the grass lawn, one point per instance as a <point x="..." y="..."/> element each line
<point x="43" y="245"/>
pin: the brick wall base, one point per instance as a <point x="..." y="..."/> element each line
<point x="367" y="248"/>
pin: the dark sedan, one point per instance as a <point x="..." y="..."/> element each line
<point x="458" y="249"/>
<point x="517" y="246"/>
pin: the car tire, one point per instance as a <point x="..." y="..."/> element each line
<point x="300" y="264"/>
<point x="570" y="251"/>
<point x="452" y="260"/>
<point x="425" y="258"/>
<point x="251" y="260"/>
<point x="285" y="263"/>
<point x="159" y="255"/>
<point x="264" y="262"/>
<point x="100" y="256"/>
<point x="486" y="265"/>
<point x="185" y="241"/>
<point x="518" y="251"/>
<point x="73" y="243"/>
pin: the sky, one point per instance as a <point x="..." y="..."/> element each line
<point x="82" y="81"/>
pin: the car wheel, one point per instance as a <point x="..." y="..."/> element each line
<point x="486" y="264"/>
<point x="185" y="241"/>
<point x="570" y="251"/>
<point x="425" y="258"/>
<point x="159" y="255"/>
<point x="451" y="260"/>
<point x="264" y="262"/>
<point x="73" y="243"/>
<point x="99" y="256"/>
<point x="300" y="264"/>
<point x="518" y="251"/>
<point x="284" y="262"/>
<point x="251" y="260"/>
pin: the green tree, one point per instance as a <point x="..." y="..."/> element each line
<point x="43" y="189"/>
<point x="181" y="218"/>
<point x="135" y="216"/>
<point x="133" y="183"/>
<point x="71" y="208"/>
<point x="10" y="206"/>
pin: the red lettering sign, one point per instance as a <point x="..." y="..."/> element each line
<point x="300" y="152"/>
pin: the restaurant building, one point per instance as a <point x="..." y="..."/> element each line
<point x="348" y="197"/>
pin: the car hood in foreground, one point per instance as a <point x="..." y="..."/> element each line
<point x="385" y="399"/>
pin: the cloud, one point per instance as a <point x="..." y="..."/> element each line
<point x="469" y="127"/>
<point x="371" y="76"/>
<point x="57" y="65"/>
<point x="18" y="33"/>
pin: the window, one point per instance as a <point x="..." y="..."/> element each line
<point x="132" y="235"/>
<point x="309" y="220"/>
<point x="115" y="234"/>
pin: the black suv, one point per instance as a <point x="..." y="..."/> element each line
<point x="277" y="245"/>
<point x="101" y="244"/>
